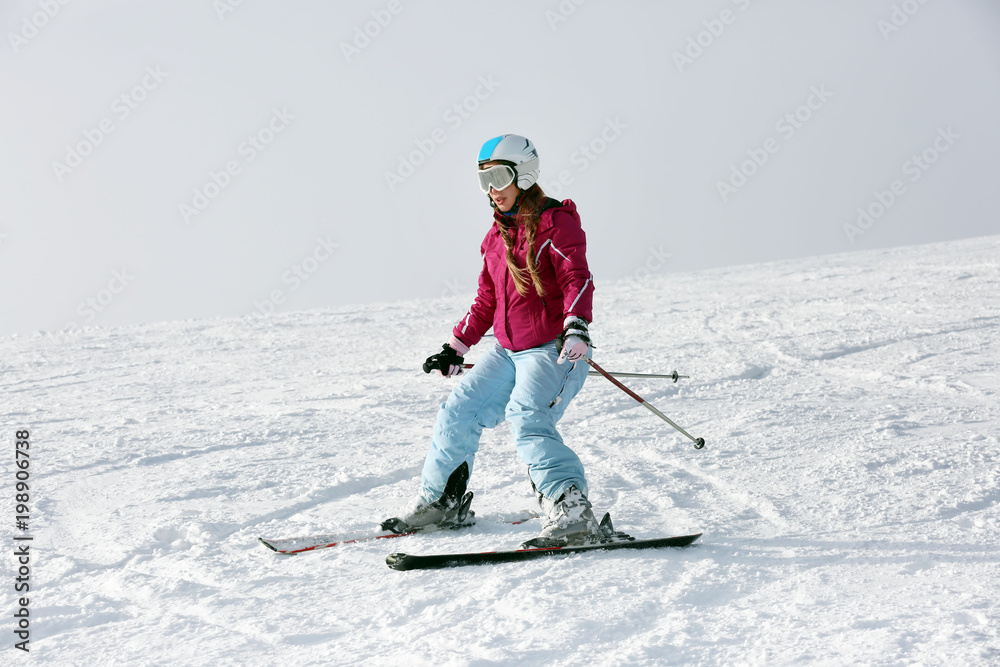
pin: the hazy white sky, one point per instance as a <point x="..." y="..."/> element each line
<point x="166" y="160"/>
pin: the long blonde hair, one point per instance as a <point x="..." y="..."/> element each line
<point x="529" y="214"/>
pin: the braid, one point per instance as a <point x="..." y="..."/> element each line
<point x="530" y="229"/>
<point x="516" y="272"/>
<point x="529" y="214"/>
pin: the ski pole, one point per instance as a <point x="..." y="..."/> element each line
<point x="698" y="442"/>
<point x="671" y="376"/>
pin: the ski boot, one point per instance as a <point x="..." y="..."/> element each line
<point x="570" y="521"/>
<point x="451" y="510"/>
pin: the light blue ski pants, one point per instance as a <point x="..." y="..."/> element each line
<point x="528" y="389"/>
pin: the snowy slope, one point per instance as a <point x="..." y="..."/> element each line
<point x="848" y="493"/>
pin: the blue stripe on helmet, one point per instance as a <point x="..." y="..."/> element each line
<point x="486" y="152"/>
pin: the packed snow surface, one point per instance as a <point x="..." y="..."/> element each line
<point x="849" y="492"/>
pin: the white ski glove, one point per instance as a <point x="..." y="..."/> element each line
<point x="574" y="341"/>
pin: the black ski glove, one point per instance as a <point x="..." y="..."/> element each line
<point x="447" y="362"/>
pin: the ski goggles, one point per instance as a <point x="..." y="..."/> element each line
<point x="498" y="177"/>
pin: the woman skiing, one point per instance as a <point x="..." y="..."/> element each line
<point x="536" y="291"/>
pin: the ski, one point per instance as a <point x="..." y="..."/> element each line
<point x="297" y="545"/>
<point x="402" y="561"/>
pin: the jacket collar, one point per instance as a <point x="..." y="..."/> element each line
<point x="545" y="220"/>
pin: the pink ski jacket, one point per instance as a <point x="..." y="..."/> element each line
<point x="522" y="322"/>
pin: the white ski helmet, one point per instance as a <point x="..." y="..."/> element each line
<point x="518" y="152"/>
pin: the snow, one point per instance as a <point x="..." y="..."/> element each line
<point x="848" y="491"/>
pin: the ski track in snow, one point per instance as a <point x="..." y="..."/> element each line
<point x="849" y="491"/>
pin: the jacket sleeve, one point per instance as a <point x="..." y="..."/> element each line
<point x="479" y="319"/>
<point x="569" y="257"/>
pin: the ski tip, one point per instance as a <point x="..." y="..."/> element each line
<point x="274" y="548"/>
<point x="398" y="561"/>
